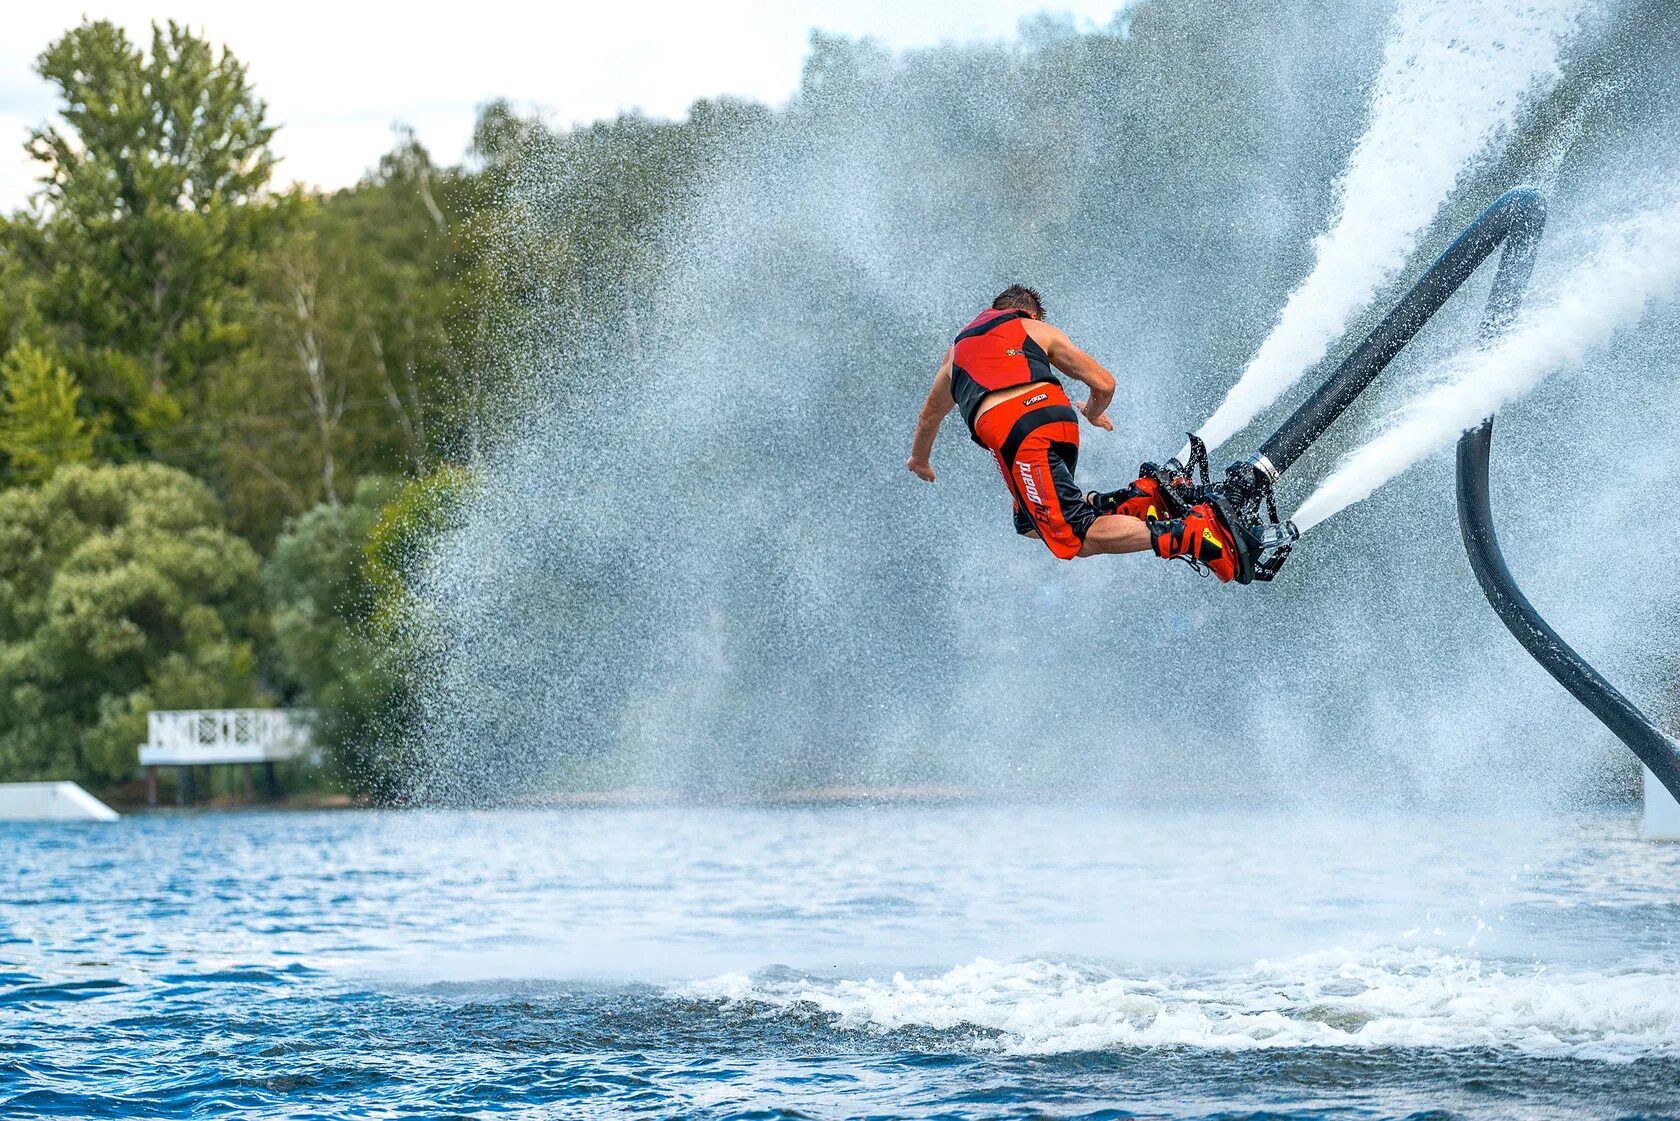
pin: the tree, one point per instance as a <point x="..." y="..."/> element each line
<point x="120" y="592"/>
<point x="150" y="215"/>
<point x="316" y="584"/>
<point x="368" y="312"/>
<point x="326" y="655"/>
<point x="408" y="528"/>
<point x="19" y="293"/>
<point x="40" y="426"/>
<point x="339" y="585"/>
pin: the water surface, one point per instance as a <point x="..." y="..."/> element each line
<point x="840" y="962"/>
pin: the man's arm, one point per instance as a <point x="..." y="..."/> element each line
<point x="939" y="402"/>
<point x="1079" y="366"/>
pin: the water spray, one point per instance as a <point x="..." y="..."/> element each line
<point x="1515" y="221"/>
<point x="1455" y="75"/>
<point x="1635" y="264"/>
<point x="1244" y="498"/>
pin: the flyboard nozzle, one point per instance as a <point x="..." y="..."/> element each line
<point x="1243" y="499"/>
<point x="1277" y="536"/>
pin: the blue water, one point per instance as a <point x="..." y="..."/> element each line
<point x="836" y="963"/>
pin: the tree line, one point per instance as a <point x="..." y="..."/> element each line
<point x="232" y="413"/>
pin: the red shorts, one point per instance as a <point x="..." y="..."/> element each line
<point x="1035" y="438"/>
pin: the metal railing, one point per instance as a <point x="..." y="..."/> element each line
<point x="191" y="737"/>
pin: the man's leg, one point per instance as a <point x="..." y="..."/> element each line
<point x="1116" y="533"/>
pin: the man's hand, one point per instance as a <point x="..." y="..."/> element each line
<point x="1100" y="420"/>
<point x="920" y="468"/>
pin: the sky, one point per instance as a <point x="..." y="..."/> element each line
<point x="337" y="77"/>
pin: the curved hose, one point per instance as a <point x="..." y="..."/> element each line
<point x="1516" y="219"/>
<point x="1475" y="518"/>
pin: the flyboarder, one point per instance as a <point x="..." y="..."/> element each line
<point x="998" y="374"/>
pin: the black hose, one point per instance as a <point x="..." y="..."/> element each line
<point x="1517" y="219"/>
<point x="1475" y="518"/>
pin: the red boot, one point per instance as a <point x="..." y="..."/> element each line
<point x="1201" y="538"/>
<point x="1143" y="499"/>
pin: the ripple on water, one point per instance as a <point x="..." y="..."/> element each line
<point x="1471" y="985"/>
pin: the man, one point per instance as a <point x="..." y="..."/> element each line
<point x="998" y="374"/>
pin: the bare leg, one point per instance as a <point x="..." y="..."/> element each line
<point x="1116" y="533"/>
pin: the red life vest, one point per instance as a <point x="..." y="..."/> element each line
<point x="994" y="352"/>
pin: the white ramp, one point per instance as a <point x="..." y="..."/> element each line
<point x="51" y="801"/>
<point x="1662" y="812"/>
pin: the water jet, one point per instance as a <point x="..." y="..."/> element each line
<point x="1515" y="220"/>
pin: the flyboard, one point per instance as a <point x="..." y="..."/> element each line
<point x="1246" y="500"/>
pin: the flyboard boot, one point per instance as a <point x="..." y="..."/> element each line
<point x="1204" y="537"/>
<point x="1144" y="499"/>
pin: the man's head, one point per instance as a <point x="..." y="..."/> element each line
<point x="1018" y="297"/>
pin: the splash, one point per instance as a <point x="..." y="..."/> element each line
<point x="1417" y="996"/>
<point x="696" y="564"/>
<point x="1454" y="77"/>
<point x="1635" y="264"/>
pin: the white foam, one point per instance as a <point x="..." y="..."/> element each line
<point x="1388" y="997"/>
<point x="1454" y="76"/>
<point x="1635" y="264"/>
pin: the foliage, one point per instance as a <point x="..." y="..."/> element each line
<point x="19" y="290"/>
<point x="40" y="426"/>
<point x="263" y="366"/>
<point x="316" y="585"/>
<point x="150" y="218"/>
<point x="120" y="592"/>
<point x="354" y="365"/>
<point x="426" y="509"/>
<point x="338" y="583"/>
<point x="326" y="656"/>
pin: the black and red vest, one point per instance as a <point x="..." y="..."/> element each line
<point x="994" y="352"/>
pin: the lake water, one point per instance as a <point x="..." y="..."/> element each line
<point x="838" y="962"/>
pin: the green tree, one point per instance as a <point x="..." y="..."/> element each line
<point x="120" y="592"/>
<point x="40" y="425"/>
<point x="151" y="213"/>
<point x="19" y="290"/>
<point x="316" y="584"/>
<point x="338" y="583"/>
<point x="368" y="314"/>
<point x="326" y="655"/>
<point x="408" y="527"/>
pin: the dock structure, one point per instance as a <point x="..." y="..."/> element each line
<point x="248" y="737"/>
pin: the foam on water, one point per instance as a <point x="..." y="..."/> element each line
<point x="904" y="961"/>
<point x="1635" y="263"/>
<point x="1388" y="997"/>
<point x="1454" y="77"/>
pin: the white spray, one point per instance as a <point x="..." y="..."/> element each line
<point x="1454" y="76"/>
<point x="1635" y="263"/>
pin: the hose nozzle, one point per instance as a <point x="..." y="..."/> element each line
<point x="1279" y="536"/>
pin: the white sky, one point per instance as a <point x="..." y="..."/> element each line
<point x="337" y="76"/>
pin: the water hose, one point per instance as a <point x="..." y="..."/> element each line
<point x="1655" y="749"/>
<point x="1515" y="220"/>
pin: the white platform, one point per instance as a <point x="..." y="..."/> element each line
<point x="195" y="737"/>
<point x="1662" y="812"/>
<point x="51" y="801"/>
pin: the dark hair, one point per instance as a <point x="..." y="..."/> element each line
<point x="1020" y="297"/>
